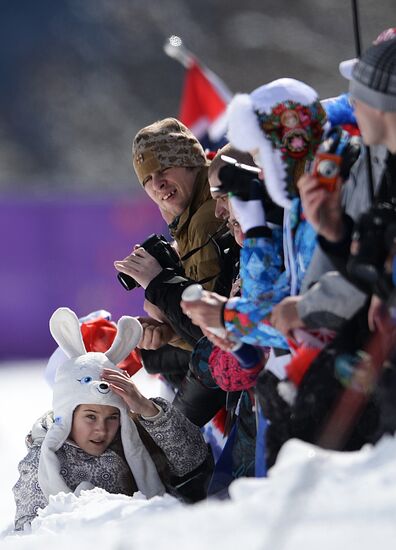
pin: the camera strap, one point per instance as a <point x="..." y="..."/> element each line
<point x="198" y="248"/>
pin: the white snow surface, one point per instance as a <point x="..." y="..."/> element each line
<point x="312" y="500"/>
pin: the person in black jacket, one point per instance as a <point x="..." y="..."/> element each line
<point x="373" y="94"/>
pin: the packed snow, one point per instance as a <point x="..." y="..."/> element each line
<point x="313" y="499"/>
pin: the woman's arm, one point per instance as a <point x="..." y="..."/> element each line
<point x="27" y="493"/>
<point x="179" y="439"/>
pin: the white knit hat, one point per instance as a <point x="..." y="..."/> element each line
<point x="78" y="381"/>
<point x="283" y="121"/>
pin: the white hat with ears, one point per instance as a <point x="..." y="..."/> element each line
<point x="78" y="381"/>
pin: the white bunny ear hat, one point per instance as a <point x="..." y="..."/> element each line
<point x="78" y="382"/>
<point x="246" y="133"/>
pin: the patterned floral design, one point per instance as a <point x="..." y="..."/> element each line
<point x="296" y="131"/>
<point x="180" y="440"/>
<point x="108" y="471"/>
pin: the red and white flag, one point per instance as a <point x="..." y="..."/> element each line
<point x="204" y="103"/>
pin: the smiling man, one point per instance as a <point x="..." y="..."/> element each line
<point x="171" y="165"/>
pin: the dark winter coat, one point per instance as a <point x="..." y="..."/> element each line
<point x="197" y="402"/>
<point x="166" y="289"/>
<point x="329" y="375"/>
<point x="240" y="422"/>
<point x="338" y="252"/>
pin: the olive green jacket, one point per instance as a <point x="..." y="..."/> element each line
<point x="193" y="228"/>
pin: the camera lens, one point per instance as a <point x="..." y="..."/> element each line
<point x="127" y="281"/>
<point x="327" y="168"/>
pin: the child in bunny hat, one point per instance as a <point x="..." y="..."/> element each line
<point x="102" y="431"/>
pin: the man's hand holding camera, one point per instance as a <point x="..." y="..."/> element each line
<point x="147" y="261"/>
<point x="320" y="191"/>
<point x="140" y="265"/>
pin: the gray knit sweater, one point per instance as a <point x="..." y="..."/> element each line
<point x="179" y="439"/>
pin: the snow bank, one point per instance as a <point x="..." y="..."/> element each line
<point x="313" y="499"/>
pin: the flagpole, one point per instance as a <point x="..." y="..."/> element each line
<point x="356" y="32"/>
<point x="174" y="48"/>
<point x="205" y="96"/>
<point x="356" y="27"/>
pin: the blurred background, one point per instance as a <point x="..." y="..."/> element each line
<point x="78" y="79"/>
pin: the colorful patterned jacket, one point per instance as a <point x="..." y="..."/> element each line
<point x="271" y="269"/>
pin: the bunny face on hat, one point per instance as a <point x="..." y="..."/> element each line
<point x="78" y="381"/>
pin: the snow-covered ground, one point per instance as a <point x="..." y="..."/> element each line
<point x="312" y="500"/>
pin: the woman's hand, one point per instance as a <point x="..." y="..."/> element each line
<point x="223" y="343"/>
<point x="122" y="385"/>
<point x="140" y="265"/>
<point x="284" y="316"/>
<point x="206" y="312"/>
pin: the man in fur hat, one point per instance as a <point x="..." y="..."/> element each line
<point x="171" y="165"/>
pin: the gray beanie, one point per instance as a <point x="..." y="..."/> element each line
<point x="373" y="79"/>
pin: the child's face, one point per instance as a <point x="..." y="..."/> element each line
<point x="94" y="427"/>
<point x="235" y="228"/>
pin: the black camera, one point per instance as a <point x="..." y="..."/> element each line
<point x="372" y="249"/>
<point x="242" y="181"/>
<point x="236" y="178"/>
<point x="158" y="247"/>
